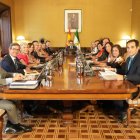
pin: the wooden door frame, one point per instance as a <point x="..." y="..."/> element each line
<point x="4" y="8"/>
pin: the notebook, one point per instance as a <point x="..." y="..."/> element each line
<point x="108" y="75"/>
<point x="28" y="84"/>
<point x="24" y="85"/>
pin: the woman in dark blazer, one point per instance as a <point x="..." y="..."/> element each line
<point x="117" y="58"/>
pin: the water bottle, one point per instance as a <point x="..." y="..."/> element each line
<point x="60" y="61"/>
<point x="49" y="81"/>
<point x="49" y="70"/>
<point x="80" y="69"/>
<point x="79" y="80"/>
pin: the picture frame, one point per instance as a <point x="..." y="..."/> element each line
<point x="72" y="20"/>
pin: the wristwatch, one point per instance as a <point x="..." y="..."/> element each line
<point x="125" y="77"/>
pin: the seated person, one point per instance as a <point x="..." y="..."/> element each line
<point x="101" y="55"/>
<point x="117" y="59"/>
<point x="108" y="49"/>
<point x="22" y="55"/>
<point x="10" y="62"/>
<point x="105" y="41"/>
<point x="42" y="51"/>
<point x="129" y="71"/>
<point x="71" y="49"/>
<point x="36" y="53"/>
<point x="32" y="59"/>
<point x="25" y="56"/>
<point x="94" y="49"/>
<point x="13" y="125"/>
<point x="48" y="48"/>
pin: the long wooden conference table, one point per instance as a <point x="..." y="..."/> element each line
<point x="67" y="86"/>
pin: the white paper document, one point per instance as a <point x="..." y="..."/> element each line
<point x="108" y="75"/>
<point x="24" y="84"/>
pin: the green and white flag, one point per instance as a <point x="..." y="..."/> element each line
<point x="76" y="39"/>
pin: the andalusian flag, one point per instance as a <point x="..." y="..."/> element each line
<point x="69" y="37"/>
<point x="76" y="39"/>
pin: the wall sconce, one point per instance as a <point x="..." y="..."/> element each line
<point x="124" y="40"/>
<point x="20" y="39"/>
<point x="126" y="37"/>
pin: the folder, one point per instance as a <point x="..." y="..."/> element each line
<point x="24" y="84"/>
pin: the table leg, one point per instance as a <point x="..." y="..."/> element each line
<point x="67" y="115"/>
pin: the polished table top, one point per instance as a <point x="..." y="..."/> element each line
<point x="67" y="86"/>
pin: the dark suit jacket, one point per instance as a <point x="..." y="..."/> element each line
<point x="8" y="65"/>
<point x="133" y="74"/>
<point x="42" y="59"/>
<point x="114" y="65"/>
<point x="49" y="51"/>
<point x="103" y="56"/>
<point x="73" y="50"/>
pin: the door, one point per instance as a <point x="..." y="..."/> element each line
<point x="5" y="30"/>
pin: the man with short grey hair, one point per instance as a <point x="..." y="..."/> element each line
<point x="10" y="62"/>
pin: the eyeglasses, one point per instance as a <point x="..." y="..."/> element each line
<point x="14" y="49"/>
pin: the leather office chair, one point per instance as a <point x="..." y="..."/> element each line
<point x="2" y="113"/>
<point x="133" y="104"/>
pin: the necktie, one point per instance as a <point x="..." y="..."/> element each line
<point x="16" y="63"/>
<point x="130" y="62"/>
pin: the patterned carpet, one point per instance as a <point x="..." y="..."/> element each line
<point x="86" y="126"/>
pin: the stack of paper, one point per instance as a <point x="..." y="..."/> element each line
<point x="24" y="84"/>
<point x="108" y="75"/>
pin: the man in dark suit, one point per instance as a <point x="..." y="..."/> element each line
<point x="71" y="49"/>
<point x="48" y="49"/>
<point x="130" y="71"/>
<point x="36" y="50"/>
<point x="10" y="62"/>
<point x="13" y="125"/>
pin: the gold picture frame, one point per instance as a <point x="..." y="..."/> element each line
<point x="73" y="20"/>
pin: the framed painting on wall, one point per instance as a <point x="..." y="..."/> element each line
<point x="72" y="20"/>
